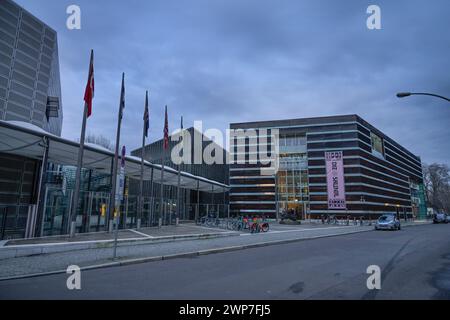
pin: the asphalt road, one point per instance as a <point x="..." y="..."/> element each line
<point x="414" y="262"/>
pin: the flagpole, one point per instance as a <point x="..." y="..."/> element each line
<point x="121" y="190"/>
<point x="162" y="209"/>
<point x="112" y="199"/>
<point x="141" y="184"/>
<point x="179" y="176"/>
<point x="76" y="192"/>
<point x="161" y="205"/>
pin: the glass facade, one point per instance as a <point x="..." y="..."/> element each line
<point x="30" y="89"/>
<point x="292" y="192"/>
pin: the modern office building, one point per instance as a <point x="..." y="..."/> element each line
<point x="30" y="88"/>
<point x="378" y="174"/>
<point x="214" y="203"/>
<point x="218" y="171"/>
<point x="30" y="94"/>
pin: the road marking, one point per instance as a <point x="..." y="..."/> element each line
<point x="312" y="229"/>
<point x="141" y="233"/>
<point x="209" y="228"/>
<point x="292" y="230"/>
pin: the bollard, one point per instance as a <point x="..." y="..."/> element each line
<point x="72" y="229"/>
<point x="138" y="224"/>
<point x="177" y="221"/>
<point x="111" y="226"/>
<point x="159" y="222"/>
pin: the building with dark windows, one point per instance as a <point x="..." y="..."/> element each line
<point x="218" y="171"/>
<point x="30" y="88"/>
<point x="210" y="202"/>
<point x="380" y="175"/>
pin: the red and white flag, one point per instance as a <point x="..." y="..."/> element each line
<point x="166" y="132"/>
<point x="89" y="92"/>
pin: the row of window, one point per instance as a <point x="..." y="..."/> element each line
<point x="29" y="54"/>
<point x="292" y="140"/>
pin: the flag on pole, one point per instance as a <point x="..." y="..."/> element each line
<point x="146" y="116"/>
<point x="87" y="111"/>
<point x="122" y="157"/>
<point x="166" y="131"/>
<point x="89" y="92"/>
<point x="122" y="97"/>
<point x="114" y="204"/>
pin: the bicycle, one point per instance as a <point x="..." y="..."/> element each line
<point x="257" y="227"/>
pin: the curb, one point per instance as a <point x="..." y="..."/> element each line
<point x="17" y="251"/>
<point x="181" y="255"/>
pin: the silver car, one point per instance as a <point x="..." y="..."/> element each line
<point x="440" y="217"/>
<point x="387" y="222"/>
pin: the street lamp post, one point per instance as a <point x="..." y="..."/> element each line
<point x="407" y="94"/>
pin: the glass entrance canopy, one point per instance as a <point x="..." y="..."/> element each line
<point x="25" y="139"/>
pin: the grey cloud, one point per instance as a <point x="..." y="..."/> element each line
<point x="232" y="61"/>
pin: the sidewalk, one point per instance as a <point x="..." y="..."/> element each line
<point x="83" y="241"/>
<point x="145" y="250"/>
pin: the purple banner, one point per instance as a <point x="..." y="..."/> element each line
<point x="335" y="180"/>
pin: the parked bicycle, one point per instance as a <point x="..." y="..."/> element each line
<point x="259" y="225"/>
<point x="209" y="221"/>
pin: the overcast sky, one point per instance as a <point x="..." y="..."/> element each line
<point x="234" y="61"/>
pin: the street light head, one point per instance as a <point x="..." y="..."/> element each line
<point x="403" y="94"/>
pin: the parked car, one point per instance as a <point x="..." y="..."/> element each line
<point x="387" y="222"/>
<point x="440" y="217"/>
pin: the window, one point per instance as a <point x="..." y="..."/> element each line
<point x="377" y="145"/>
<point x="26" y="59"/>
<point x="292" y="140"/>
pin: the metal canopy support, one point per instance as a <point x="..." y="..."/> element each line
<point x="178" y="210"/>
<point x="212" y="199"/>
<point x="152" y="202"/>
<point x="40" y="195"/>
<point x="277" y="208"/>
<point x="197" y="207"/>
<point x="108" y="219"/>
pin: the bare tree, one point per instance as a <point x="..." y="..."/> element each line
<point x="437" y="185"/>
<point x="100" y="141"/>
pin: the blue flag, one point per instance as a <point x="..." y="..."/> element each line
<point x="146" y="116"/>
